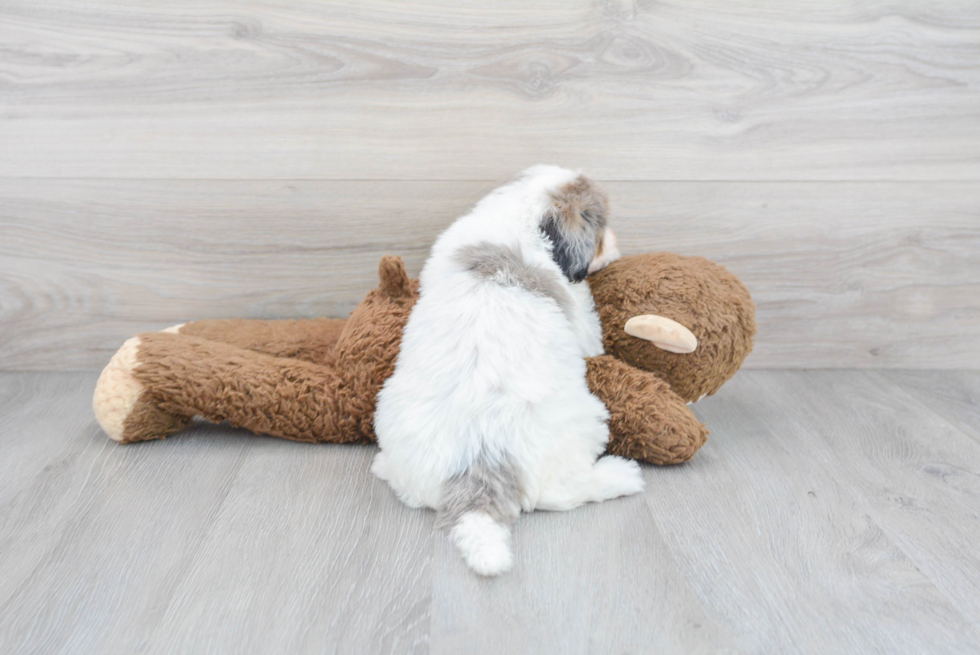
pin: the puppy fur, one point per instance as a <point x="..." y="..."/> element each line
<point x="488" y="412"/>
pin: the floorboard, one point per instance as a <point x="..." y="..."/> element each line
<point x="830" y="511"/>
<point x="872" y="275"/>
<point x="678" y="90"/>
<point x="785" y="551"/>
<point x="915" y="472"/>
<point x="215" y="540"/>
<point x="596" y="580"/>
<point x="955" y="395"/>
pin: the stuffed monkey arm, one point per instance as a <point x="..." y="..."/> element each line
<point x="647" y="421"/>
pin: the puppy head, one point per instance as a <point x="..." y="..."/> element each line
<point x="575" y="224"/>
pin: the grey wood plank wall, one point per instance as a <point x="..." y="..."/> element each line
<point x="160" y="163"/>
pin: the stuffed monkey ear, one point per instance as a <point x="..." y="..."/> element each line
<point x="394" y="277"/>
<point x="663" y="332"/>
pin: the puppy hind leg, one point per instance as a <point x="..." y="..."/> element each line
<point x="613" y="477"/>
<point x="609" y="477"/>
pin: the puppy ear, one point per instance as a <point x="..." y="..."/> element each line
<point x="574" y="224"/>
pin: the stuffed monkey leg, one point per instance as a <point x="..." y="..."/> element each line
<point x="647" y="421"/>
<point x="312" y="340"/>
<point x="157" y="382"/>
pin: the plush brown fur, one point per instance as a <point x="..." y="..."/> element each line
<point x="313" y="340"/>
<point x="148" y="420"/>
<point x="190" y="376"/>
<point x="368" y="347"/>
<point x="697" y="293"/>
<point x="317" y="380"/>
<point x="647" y="421"/>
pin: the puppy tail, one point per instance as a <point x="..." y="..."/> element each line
<point x="478" y="508"/>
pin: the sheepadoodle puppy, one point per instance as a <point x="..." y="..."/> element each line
<point x="488" y="412"/>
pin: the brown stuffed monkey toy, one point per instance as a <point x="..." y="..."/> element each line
<point x="674" y="328"/>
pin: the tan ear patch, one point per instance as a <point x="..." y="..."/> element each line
<point x="607" y="251"/>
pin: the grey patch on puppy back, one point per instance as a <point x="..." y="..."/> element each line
<point x="574" y="224"/>
<point x="505" y="265"/>
<point x="492" y="488"/>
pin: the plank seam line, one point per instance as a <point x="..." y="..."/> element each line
<point x="487" y="180"/>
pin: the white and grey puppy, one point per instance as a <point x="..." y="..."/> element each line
<point x="488" y="411"/>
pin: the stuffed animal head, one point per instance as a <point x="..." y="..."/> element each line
<point x="686" y="319"/>
<point x="648" y="305"/>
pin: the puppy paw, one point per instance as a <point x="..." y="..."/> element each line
<point x="616" y="477"/>
<point x="380" y="466"/>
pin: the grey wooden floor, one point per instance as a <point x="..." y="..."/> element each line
<point x="830" y="512"/>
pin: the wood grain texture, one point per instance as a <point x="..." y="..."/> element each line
<point x="310" y="553"/>
<point x="599" y="579"/>
<point x="166" y="162"/>
<point x="830" y="511"/>
<point x="953" y="394"/>
<point x="778" y="536"/>
<point x="914" y="471"/>
<point x="844" y="274"/>
<point x="161" y="549"/>
<point x="706" y="90"/>
<point x="105" y="260"/>
<point x="219" y="158"/>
